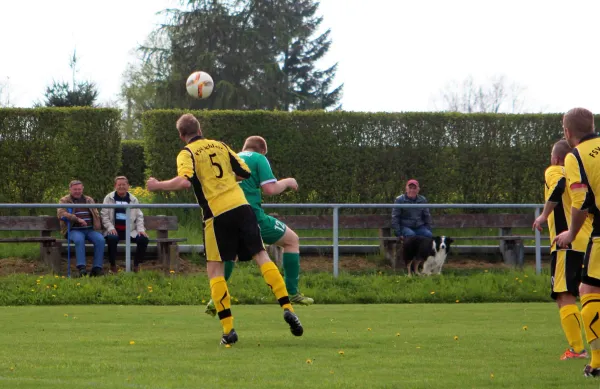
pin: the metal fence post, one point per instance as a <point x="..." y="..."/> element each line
<point x="538" y="248"/>
<point x="128" y="239"/>
<point x="336" y="251"/>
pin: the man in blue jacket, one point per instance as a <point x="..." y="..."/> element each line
<point x="411" y="221"/>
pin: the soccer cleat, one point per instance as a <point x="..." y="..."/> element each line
<point x="589" y="371"/>
<point x="211" y="309"/>
<point x="571" y="354"/>
<point x="295" y="325"/>
<point x="82" y="272"/>
<point x="229" y="338"/>
<point x="299" y="298"/>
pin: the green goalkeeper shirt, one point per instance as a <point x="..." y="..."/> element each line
<point x="260" y="174"/>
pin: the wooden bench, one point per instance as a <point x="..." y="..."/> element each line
<point x="51" y="247"/>
<point x="511" y="246"/>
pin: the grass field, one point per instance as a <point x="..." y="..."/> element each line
<point x="344" y="346"/>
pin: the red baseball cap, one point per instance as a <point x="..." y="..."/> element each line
<point x="413" y="182"/>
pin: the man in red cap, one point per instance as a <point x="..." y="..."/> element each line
<point x="411" y="221"/>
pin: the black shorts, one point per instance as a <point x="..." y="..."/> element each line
<point x="232" y="234"/>
<point x="566" y="270"/>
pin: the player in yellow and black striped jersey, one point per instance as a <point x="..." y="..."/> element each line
<point x="230" y="226"/>
<point x="566" y="263"/>
<point x="582" y="168"/>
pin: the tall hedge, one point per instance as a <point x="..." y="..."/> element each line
<point x="42" y="149"/>
<point x="367" y="157"/>
<point x="133" y="164"/>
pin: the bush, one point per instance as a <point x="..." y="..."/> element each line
<point x="344" y="157"/>
<point x="42" y="149"/>
<point x="133" y="165"/>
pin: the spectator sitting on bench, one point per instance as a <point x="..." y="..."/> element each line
<point x="411" y="221"/>
<point x="84" y="224"/>
<point x="113" y="221"/>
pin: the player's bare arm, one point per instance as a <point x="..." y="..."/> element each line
<point x="543" y="218"/>
<point x="176" y="183"/>
<point x="275" y="188"/>
<point x="565" y="238"/>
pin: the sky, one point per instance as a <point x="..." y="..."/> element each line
<point x="393" y="55"/>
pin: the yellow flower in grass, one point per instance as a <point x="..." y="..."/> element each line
<point x="485" y="271"/>
<point x="369" y="329"/>
<point x="524" y="328"/>
<point x="457" y="301"/>
<point x="227" y="346"/>
<point x="33" y="290"/>
<point x="149" y="286"/>
<point x="55" y="286"/>
<point x="12" y="368"/>
<point x="341" y="352"/>
<point x="131" y="342"/>
<point x="55" y="276"/>
<point x="309" y="361"/>
<point x="139" y="296"/>
<point x="330" y="371"/>
<point x="172" y="271"/>
<point x="432" y="292"/>
<point x="455" y="337"/>
<point x="78" y="284"/>
<point x="47" y="286"/>
<point x="66" y="315"/>
<point x="203" y="301"/>
<point x="62" y="277"/>
<point x="397" y="334"/>
<point x="526" y="276"/>
<point x="491" y="375"/>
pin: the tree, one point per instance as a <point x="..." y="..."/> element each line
<point x="261" y="55"/>
<point x="496" y="95"/>
<point x="78" y="94"/>
<point x="60" y="94"/>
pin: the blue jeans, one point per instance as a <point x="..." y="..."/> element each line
<point x="421" y="231"/>
<point x="78" y="236"/>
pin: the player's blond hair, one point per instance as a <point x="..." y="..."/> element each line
<point x="561" y="149"/>
<point x="579" y="121"/>
<point x="188" y="125"/>
<point x="255" y="143"/>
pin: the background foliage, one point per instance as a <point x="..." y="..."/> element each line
<point x="42" y="149"/>
<point x="367" y="157"/>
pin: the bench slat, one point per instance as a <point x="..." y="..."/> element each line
<point x="26" y="239"/>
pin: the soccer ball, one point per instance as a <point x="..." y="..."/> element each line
<point x="199" y="85"/>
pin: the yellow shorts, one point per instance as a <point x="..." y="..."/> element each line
<point x="591" y="264"/>
<point x="566" y="269"/>
<point x="232" y="234"/>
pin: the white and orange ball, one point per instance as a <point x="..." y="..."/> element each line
<point x="199" y="85"/>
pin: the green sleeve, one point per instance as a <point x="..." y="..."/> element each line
<point x="264" y="173"/>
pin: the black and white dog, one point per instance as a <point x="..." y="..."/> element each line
<point x="424" y="255"/>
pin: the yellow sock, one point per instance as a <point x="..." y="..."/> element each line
<point x="274" y="279"/>
<point x="570" y="319"/>
<point x="222" y="300"/>
<point x="590" y="313"/>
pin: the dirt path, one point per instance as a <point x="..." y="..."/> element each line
<point x="347" y="263"/>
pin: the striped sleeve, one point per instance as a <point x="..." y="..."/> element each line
<point x="185" y="164"/>
<point x="556" y="183"/>
<point x="576" y="180"/>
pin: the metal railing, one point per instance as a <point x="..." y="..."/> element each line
<point x="335" y="207"/>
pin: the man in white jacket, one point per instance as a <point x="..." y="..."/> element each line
<point x="114" y="219"/>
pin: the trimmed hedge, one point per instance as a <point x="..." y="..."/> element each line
<point x="367" y="157"/>
<point x="133" y="164"/>
<point x="42" y="149"/>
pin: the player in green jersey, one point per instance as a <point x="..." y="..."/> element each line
<point x="273" y="231"/>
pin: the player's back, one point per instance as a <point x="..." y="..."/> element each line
<point x="261" y="174"/>
<point x="212" y="168"/>
<point x="557" y="191"/>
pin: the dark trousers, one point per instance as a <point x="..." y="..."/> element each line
<point x="140" y="252"/>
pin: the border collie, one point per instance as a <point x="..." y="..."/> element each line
<point x="424" y="255"/>
<point x="434" y="264"/>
